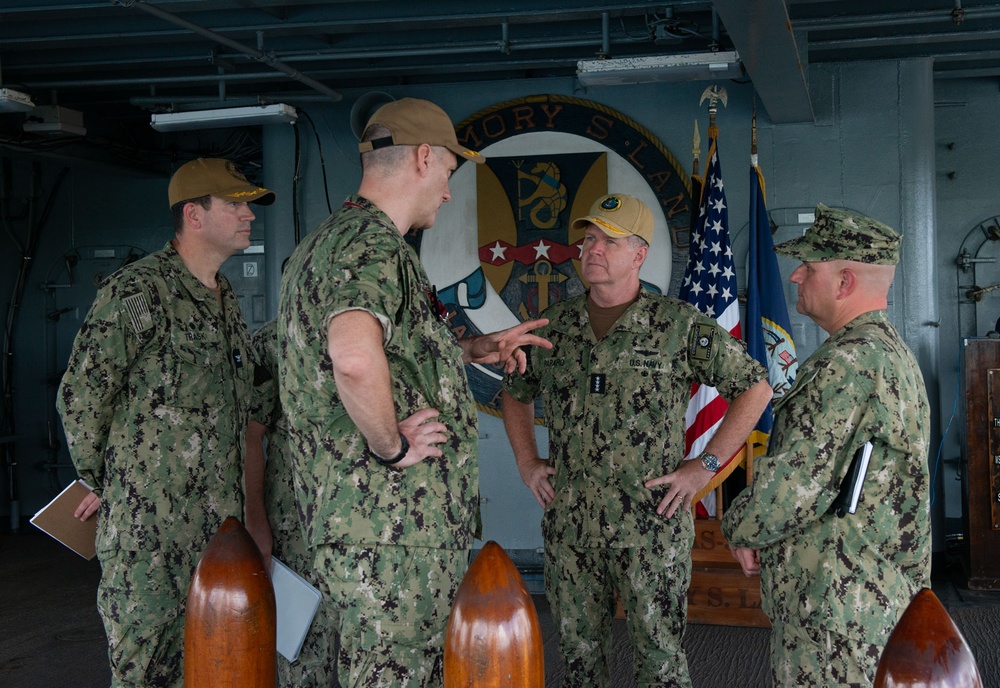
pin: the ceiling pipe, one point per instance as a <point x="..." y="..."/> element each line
<point x="338" y="73"/>
<point x="158" y="80"/>
<point x="484" y="47"/>
<point x="235" y="101"/>
<point x="891" y="20"/>
<point x="505" y="37"/>
<point x="715" y="29"/>
<point x="605" y="34"/>
<point x="258" y="55"/>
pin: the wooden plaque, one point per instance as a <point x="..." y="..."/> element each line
<point x="720" y="593"/>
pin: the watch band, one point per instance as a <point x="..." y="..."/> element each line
<point x="710" y="462"/>
<point x="398" y="457"/>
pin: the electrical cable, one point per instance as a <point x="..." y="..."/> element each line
<point x="7" y="421"/>
<point x="944" y="435"/>
<point x="322" y="159"/>
<point x="297" y="233"/>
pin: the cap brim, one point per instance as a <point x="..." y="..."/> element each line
<point x="258" y="196"/>
<point x="266" y="198"/>
<point x="472" y="155"/>
<point x="602" y="224"/>
<point x="802" y="249"/>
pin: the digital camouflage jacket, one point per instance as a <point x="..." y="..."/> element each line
<point x="154" y="404"/>
<point x="615" y="411"/>
<point x="856" y="574"/>
<point x="357" y="259"/>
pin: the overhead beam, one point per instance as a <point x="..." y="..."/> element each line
<point x="762" y="34"/>
<point x="259" y="55"/>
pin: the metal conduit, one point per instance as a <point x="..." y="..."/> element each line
<point x="391" y="69"/>
<point x="235" y="45"/>
<point x="883" y="20"/>
<point x="605" y="34"/>
<point x="315" y="56"/>
<point x="291" y="56"/>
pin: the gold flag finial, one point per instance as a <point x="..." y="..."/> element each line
<point x="714" y="94"/>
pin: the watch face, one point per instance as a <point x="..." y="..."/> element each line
<point x="710" y="462"/>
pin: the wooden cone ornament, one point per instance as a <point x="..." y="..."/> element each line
<point x="926" y="650"/>
<point x="229" y="631"/>
<point x="493" y="638"/>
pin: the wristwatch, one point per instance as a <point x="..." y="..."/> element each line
<point x="710" y="462"/>
<point x="392" y="461"/>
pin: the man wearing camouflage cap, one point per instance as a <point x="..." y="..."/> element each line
<point x="617" y="493"/>
<point x="383" y="425"/>
<point x="154" y="403"/>
<point x="834" y="587"/>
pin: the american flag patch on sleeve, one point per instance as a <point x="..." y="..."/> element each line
<point x="137" y="311"/>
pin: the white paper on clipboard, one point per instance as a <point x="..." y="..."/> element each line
<point x="296" y="602"/>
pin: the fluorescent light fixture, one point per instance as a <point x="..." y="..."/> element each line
<point x="14" y="101"/>
<point x="643" y="69"/>
<point x="224" y="117"/>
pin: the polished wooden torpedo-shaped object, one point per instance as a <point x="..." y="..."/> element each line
<point x="926" y="650"/>
<point x="229" y="631"/>
<point x="493" y="638"/>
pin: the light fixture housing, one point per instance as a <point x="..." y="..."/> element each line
<point x="652" y="68"/>
<point x="275" y="113"/>
<point x="54" y="120"/>
<point x="15" y="101"/>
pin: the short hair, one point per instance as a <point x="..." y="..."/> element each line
<point x="382" y="161"/>
<point x="636" y="241"/>
<point x="178" y="210"/>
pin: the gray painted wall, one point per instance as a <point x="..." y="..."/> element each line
<point x="879" y="145"/>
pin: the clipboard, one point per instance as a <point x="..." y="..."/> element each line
<point x="296" y="602"/>
<point x="56" y="519"/>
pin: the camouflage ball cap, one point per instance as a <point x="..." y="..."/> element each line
<point x="214" y="177"/>
<point x="619" y="215"/>
<point x="840" y="234"/>
<point x="411" y="122"/>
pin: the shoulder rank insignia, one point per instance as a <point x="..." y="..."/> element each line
<point x="137" y="311"/>
<point x="701" y="345"/>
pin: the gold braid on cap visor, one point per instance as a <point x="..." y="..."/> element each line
<point x="608" y="226"/>
<point x="240" y="194"/>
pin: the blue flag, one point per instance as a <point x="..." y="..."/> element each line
<point x="768" y="332"/>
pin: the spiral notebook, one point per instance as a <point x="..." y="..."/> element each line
<point x="296" y="602"/>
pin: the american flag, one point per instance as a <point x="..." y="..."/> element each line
<point x="710" y="285"/>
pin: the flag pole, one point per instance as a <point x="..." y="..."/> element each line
<point x="710" y="285"/>
<point x="753" y="149"/>
<point x="696" y="181"/>
<point x="695" y="149"/>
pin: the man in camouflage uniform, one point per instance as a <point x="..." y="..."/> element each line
<point x="617" y="493"/>
<point x="273" y="521"/>
<point x="834" y="588"/>
<point x="154" y="404"/>
<point x="383" y="425"/>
